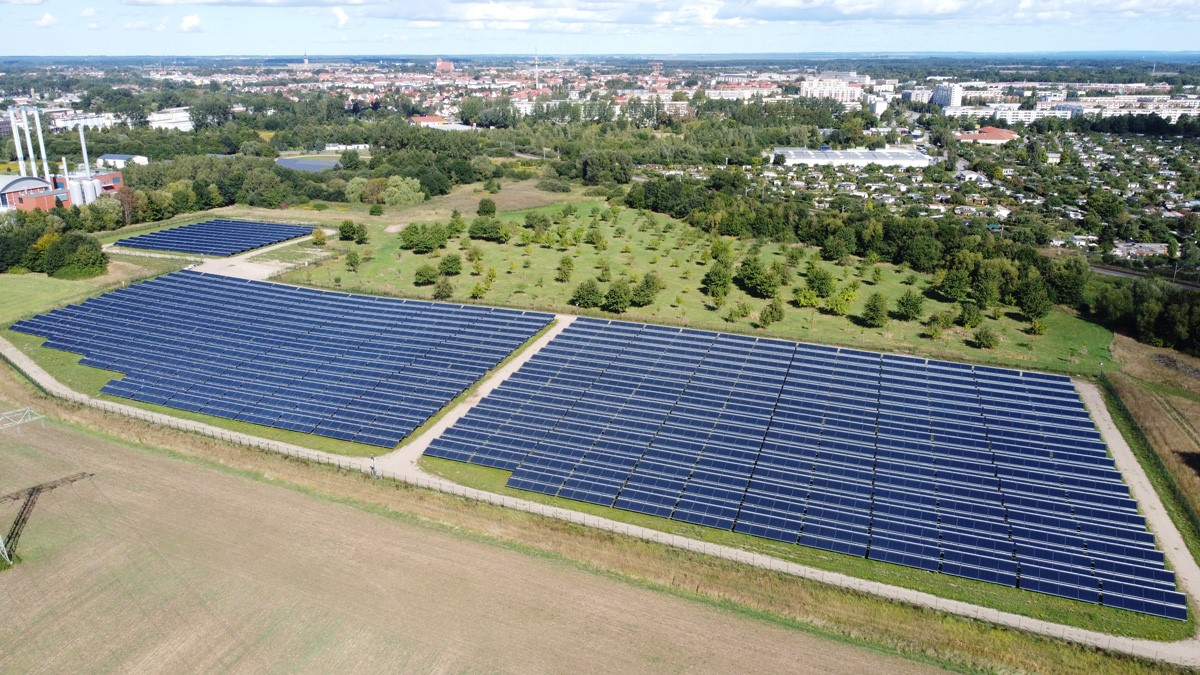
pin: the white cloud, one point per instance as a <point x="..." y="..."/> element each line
<point x="88" y="12"/>
<point x="46" y="21"/>
<point x="340" y="16"/>
<point x="190" y="23"/>
<point x="93" y="25"/>
<point x="135" y="25"/>
<point x="21" y="2"/>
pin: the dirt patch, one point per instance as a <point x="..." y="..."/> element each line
<point x="159" y="564"/>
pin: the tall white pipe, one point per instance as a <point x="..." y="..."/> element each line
<point x="37" y="120"/>
<point x="83" y="144"/>
<point x="29" y="142"/>
<point x="16" y="136"/>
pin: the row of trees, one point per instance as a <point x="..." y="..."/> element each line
<point x="36" y="242"/>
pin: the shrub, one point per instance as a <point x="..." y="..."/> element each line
<point x="910" y="305"/>
<point x="566" y="265"/>
<point x="986" y="338"/>
<point x="820" y="280"/>
<point x="450" y="265"/>
<point x="376" y="210"/>
<point x="425" y="275"/>
<point x="360" y="234"/>
<point x="646" y="291"/>
<point x="805" y="297"/>
<point x="352" y="261"/>
<point x="487" y="207"/>
<point x="770" y="314"/>
<point x="442" y="290"/>
<point x="422" y="238"/>
<point x="970" y="315"/>
<point x="553" y="185"/>
<point x="346" y="230"/>
<point x="738" y="312"/>
<point x="875" y="313"/>
<point x="318" y="237"/>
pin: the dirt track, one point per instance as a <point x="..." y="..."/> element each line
<point x="160" y="564"/>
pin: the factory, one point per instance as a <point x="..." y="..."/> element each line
<point x="29" y="190"/>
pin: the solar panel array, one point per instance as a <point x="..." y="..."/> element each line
<point x="216" y="237"/>
<point x="985" y="473"/>
<point x="352" y="367"/>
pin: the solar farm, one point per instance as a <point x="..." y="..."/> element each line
<point x="985" y="473"/>
<point x="351" y="367"/>
<point x="219" y="237"/>
<point x="977" y="472"/>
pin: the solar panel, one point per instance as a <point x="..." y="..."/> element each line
<point x="357" y="368"/>
<point x="219" y="237"/>
<point x="985" y="473"/>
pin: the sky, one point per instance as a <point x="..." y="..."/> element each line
<point x="449" y="27"/>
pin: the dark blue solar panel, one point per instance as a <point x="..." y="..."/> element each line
<point x="983" y="473"/>
<point x="216" y="237"/>
<point x="356" y="368"/>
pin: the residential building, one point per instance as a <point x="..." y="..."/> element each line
<point x="171" y="118"/>
<point x="947" y="95"/>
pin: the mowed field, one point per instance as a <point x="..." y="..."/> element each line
<point x="161" y="564"/>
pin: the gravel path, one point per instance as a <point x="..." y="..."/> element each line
<point x="401" y="465"/>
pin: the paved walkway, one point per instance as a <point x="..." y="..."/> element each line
<point x="401" y="465"/>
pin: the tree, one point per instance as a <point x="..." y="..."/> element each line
<point x="875" y="313"/>
<point x="376" y="210"/>
<point x="970" y="315"/>
<point x="605" y="166"/>
<point x="911" y="305"/>
<point x="347" y="230"/>
<point x="261" y="187"/>
<point x="956" y="285"/>
<point x="402" y="191"/>
<point x="757" y="279"/>
<point x="350" y="160"/>
<point x="318" y="237"/>
<point x="352" y="261"/>
<point x="718" y="280"/>
<point x="838" y="304"/>
<point x="805" y="297"/>
<point x="1033" y="298"/>
<point x="819" y="279"/>
<point x="566" y="265"/>
<point x="360" y="233"/>
<point x="442" y="290"/>
<point x="587" y="295"/>
<point x="646" y="290"/>
<point x="210" y="111"/>
<point x="354" y="190"/>
<point x="450" y="265"/>
<point x="618" y="297"/>
<point x="770" y="314"/>
<point x="487" y="207"/>
<point x="425" y="275"/>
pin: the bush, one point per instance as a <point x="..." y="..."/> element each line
<point x="805" y="297"/>
<point x="986" y="338"/>
<point x="352" y="261"/>
<point x="443" y="290"/>
<point x="487" y="228"/>
<point x="1038" y="327"/>
<point x="376" y="210"/>
<point x="553" y="185"/>
<point x="738" y="312"/>
<point x="450" y="266"/>
<point x="820" y="280"/>
<point x="646" y="291"/>
<point x="772" y="313"/>
<point x="756" y="279"/>
<point x="425" y="275"/>
<point x="318" y="237"/>
<point x="911" y="305"/>
<point x="970" y="315"/>
<point x="566" y="265"/>
<point x="347" y="230"/>
<point x="360" y="234"/>
<point x="423" y="238"/>
<point x="487" y="207"/>
<point x="875" y="313"/>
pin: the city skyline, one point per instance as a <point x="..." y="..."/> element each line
<point x="368" y="27"/>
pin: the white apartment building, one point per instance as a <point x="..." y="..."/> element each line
<point x="947" y="95"/>
<point x="171" y="118"/>
<point x="840" y="91"/>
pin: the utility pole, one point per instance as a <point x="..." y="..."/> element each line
<point x="8" y="545"/>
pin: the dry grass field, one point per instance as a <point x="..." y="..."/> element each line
<point x="159" y="564"/>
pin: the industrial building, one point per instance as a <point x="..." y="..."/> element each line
<point x="805" y="157"/>
<point x="28" y="190"/>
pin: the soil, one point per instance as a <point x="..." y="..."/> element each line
<point x="158" y="563"/>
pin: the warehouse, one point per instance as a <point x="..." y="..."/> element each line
<point x="806" y="157"/>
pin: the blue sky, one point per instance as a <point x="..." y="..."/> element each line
<point x="267" y="27"/>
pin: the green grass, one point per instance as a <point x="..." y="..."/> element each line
<point x="1025" y="603"/>
<point x="24" y="295"/>
<point x="525" y="279"/>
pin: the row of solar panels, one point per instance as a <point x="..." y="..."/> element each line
<point x="216" y="237"/>
<point x="207" y="344"/>
<point x="1000" y="489"/>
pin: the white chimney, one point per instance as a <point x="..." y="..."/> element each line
<point x="29" y="142"/>
<point x="16" y="135"/>
<point x="37" y="119"/>
<point x="83" y="144"/>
